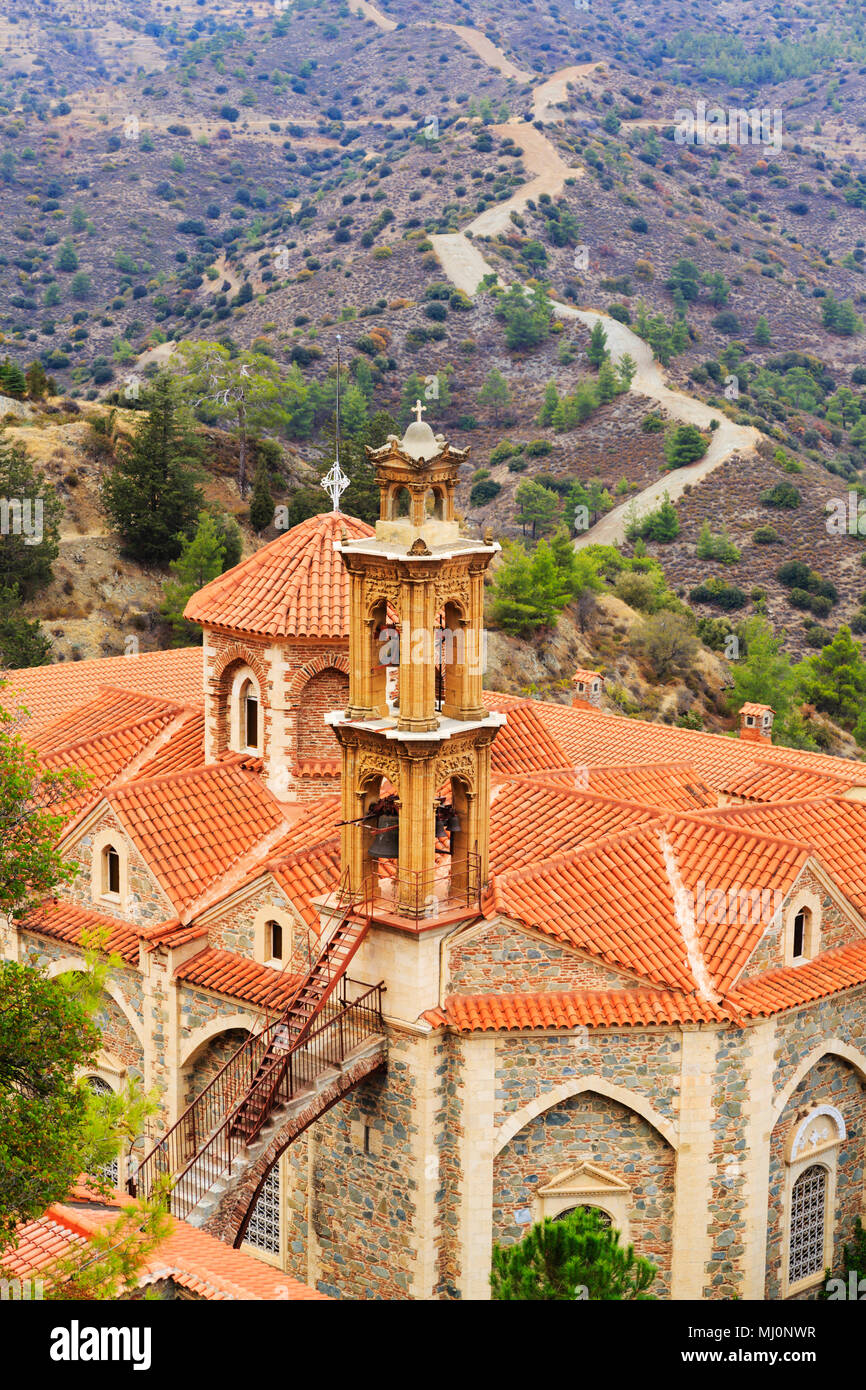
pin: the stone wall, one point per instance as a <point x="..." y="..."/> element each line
<point x="595" y="1128"/>
<point x="212" y="1058"/>
<point x="449" y="1134"/>
<point x="326" y="691"/>
<point x="832" y="1081"/>
<point x="502" y="958"/>
<point x="146" y="903"/>
<point x="836" y="928"/>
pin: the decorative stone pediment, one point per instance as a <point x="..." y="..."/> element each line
<point x="583" y="1181"/>
<point x="822" y="1128"/>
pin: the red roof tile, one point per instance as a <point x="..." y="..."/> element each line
<point x="786" y="988"/>
<point x="193" y="827"/>
<point x="187" y="1257"/>
<point x="524" y="745"/>
<point x="66" y="922"/>
<point x="227" y="972"/>
<point x="772" y="781"/>
<point x="470" y="1013"/>
<point x="531" y="819"/>
<point x="51" y="691"/>
<point x="663" y="786"/>
<point x="294" y="587"/>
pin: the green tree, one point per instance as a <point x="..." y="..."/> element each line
<point x="81" y="285"/>
<point x="834" y="679"/>
<point x="495" y="394"/>
<point x="762" y="331"/>
<point x="685" y="277"/>
<point x="38" y="383"/>
<point x="151" y="496"/>
<point x="598" y="352"/>
<point x="109" y="1266"/>
<point x="67" y="259"/>
<point x="763" y="674"/>
<point x="667" y="642"/>
<point x="262" y="503"/>
<point x="627" y="369"/>
<point x="200" y="560"/>
<point x="30" y="513"/>
<point x="22" y="640"/>
<point x="12" y="380"/>
<point x="661" y="524"/>
<point x="537" y="507"/>
<point x="549" y="404"/>
<point x="527" y="315"/>
<point x="556" y="1261"/>
<point x="684" y="444"/>
<point x="528" y="591"/>
<point x="607" y="386"/>
<point x="244" y="389"/>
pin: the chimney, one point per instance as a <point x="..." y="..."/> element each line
<point x="756" y="723"/>
<point x="588" y="686"/>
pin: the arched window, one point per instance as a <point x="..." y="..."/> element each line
<point x="401" y="503"/>
<point x="99" y="1087"/>
<point x="249" y="716"/>
<point x="801" y="925"/>
<point x="806" y="1249"/>
<point x="110" y="871"/>
<point x="263" y="1231"/>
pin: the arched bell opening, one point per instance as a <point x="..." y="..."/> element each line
<point x="463" y="838"/>
<point x="399" y="504"/>
<point x="450" y="659"/>
<point x="434" y="504"/>
<point x="383" y="654"/>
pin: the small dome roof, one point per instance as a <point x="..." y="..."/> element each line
<point x="419" y="441"/>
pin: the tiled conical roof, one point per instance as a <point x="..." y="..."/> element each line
<point x="294" y="587"/>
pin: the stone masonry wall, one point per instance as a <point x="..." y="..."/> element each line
<point x="327" y="691"/>
<point x="591" y="1127"/>
<point x="211" y="1059"/>
<point x="146" y="904"/>
<point x="832" y="1081"/>
<point x="502" y="958"/>
<point x="836" y="929"/>
<point x="449" y="1134"/>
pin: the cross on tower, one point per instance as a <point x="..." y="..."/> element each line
<point x="419" y="411"/>
<point x="335" y="483"/>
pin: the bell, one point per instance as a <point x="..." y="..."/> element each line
<point x="386" y="838"/>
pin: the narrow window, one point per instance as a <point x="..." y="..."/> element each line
<point x="808" y="1216"/>
<point x="251" y="718"/>
<point x="263" y="1231"/>
<point x="276" y="936"/>
<point x="111" y="875"/>
<point x="799" y="935"/>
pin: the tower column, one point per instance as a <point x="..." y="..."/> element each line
<point x="416" y="863"/>
<point x="417" y="665"/>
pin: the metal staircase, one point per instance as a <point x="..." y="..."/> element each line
<point x="317" y="1030"/>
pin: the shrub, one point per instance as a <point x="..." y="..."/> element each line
<point x="652" y="424"/>
<point x="662" y="524"/>
<point x="766" y="535"/>
<point x="781" y="495"/>
<point x="794" y="574"/>
<point x="503" y="450"/>
<point x="537" y="448"/>
<point x="483" y="492"/>
<point x="717" y="547"/>
<point x="683" y="445"/>
<point x="720" y="594"/>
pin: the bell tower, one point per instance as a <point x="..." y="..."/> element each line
<point x="416" y="751"/>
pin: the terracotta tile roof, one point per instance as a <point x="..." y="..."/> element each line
<point x="780" y="989"/>
<point x="317" y="822"/>
<point x="51" y="691"/>
<point x="531" y="819"/>
<point x="66" y="922"/>
<point x="664" y="786"/>
<point x="835" y="826"/>
<point x="227" y="972"/>
<point x="308" y="874"/>
<point x="772" y="781"/>
<point x="472" y="1013"/>
<point x="593" y="737"/>
<point x="183" y="749"/>
<point x="622" y="898"/>
<point x="294" y="587"/>
<point x="751" y="708"/>
<point x="109" y="710"/>
<point x="187" y="1257"/>
<point x="192" y="827"/>
<point x="523" y="744"/>
<point x="107" y="757"/>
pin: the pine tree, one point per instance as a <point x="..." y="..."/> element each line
<point x="12" y="380"/>
<point x="835" y="678"/>
<point x="495" y="394"/>
<point x="201" y="560"/>
<point x="536" y="507"/>
<point x="762" y="331"/>
<point x="30" y="513"/>
<point x="151" y="496"/>
<point x="607" y="385"/>
<point x="549" y="404"/>
<point x="22" y="641"/>
<point x="67" y="259"/>
<point x="37" y="381"/>
<point x="573" y="1258"/>
<point x="262" y="503"/>
<point x="597" y="352"/>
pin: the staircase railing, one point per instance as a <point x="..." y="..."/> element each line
<point x="240" y="1098"/>
<point x="194" y="1157"/>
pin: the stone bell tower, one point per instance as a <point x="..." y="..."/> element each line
<point x="420" y="754"/>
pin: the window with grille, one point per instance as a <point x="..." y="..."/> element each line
<point x="263" y="1231"/>
<point x="111" y="1170"/>
<point x="808" y="1218"/>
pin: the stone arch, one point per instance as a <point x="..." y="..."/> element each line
<point x="625" y="1097"/>
<point x="233" y="656"/>
<point x="210" y="1058"/>
<point x="305" y="673"/>
<point x="200" y="1037"/>
<point x="833" y="1047"/>
<point x="327" y="690"/>
<point x="229" y="663"/>
<point x="67" y="964"/>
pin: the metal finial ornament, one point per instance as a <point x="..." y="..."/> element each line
<point x="335" y="481"/>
